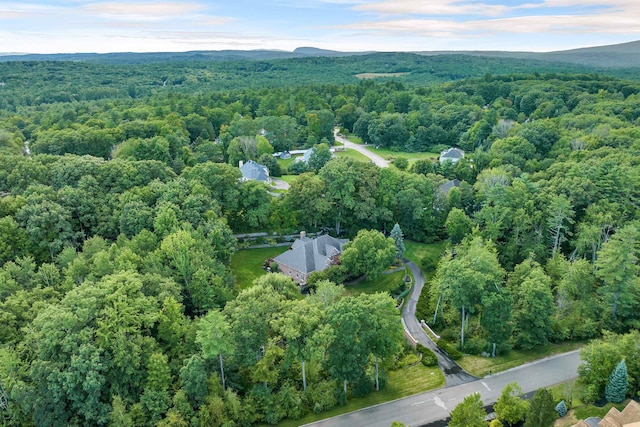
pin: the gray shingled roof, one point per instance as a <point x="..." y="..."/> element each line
<point x="256" y="171"/>
<point x="452" y="153"/>
<point x="307" y="255"/>
<point x="447" y="186"/>
<point x="593" y="421"/>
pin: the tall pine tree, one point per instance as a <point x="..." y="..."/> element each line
<point x="396" y="235"/>
<point x="616" y="389"/>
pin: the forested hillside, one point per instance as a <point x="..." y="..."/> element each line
<point x="120" y="192"/>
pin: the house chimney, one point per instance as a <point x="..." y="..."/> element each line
<point x="241" y="163"/>
<point x="303" y="234"/>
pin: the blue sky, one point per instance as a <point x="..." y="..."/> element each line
<point x="57" y="26"/>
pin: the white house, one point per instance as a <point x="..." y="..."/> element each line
<point x="452" y="155"/>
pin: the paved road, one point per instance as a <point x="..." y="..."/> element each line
<point x="436" y="405"/>
<point x="453" y="374"/>
<point x="379" y="161"/>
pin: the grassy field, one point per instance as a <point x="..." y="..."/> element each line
<point x="376" y="75"/>
<point x="246" y="264"/>
<point x="285" y="163"/>
<point x="480" y="366"/>
<point x="353" y="154"/>
<point x="288" y="178"/>
<point x="416" y="251"/>
<point x="385" y="283"/>
<point x="400" y="383"/>
<point x="391" y="154"/>
<point x="354" y="139"/>
<point x="412" y="157"/>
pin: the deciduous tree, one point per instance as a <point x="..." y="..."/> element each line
<point x="469" y="413"/>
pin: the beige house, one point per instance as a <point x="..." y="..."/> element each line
<point x="629" y="417"/>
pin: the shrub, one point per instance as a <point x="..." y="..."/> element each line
<point x="453" y="352"/>
<point x="561" y="408"/>
<point x="429" y="358"/>
<point x="474" y="345"/>
<point x="429" y="262"/>
<point x="363" y="386"/>
<point x="321" y="396"/>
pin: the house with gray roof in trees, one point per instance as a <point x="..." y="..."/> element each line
<point x="445" y="188"/>
<point x="307" y="255"/>
<point x="453" y="155"/>
<point x="254" y="171"/>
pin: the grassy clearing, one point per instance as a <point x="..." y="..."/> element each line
<point x="401" y="383"/>
<point x="285" y="163"/>
<point x="376" y="75"/>
<point x="353" y="154"/>
<point x="415" y="251"/>
<point x="355" y="139"/>
<point x="480" y="366"/>
<point x="246" y="264"/>
<point x="586" y="411"/>
<point x="412" y="157"/>
<point x="288" y="178"/>
<point x="385" y="283"/>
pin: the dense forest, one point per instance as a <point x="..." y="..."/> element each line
<point x="120" y="195"/>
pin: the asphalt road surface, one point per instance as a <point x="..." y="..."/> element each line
<point x="436" y="405"/>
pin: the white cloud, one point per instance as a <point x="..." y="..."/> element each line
<point x="140" y="11"/>
<point x="25" y="10"/>
<point x="432" y="7"/>
<point x="613" y="23"/>
<point x="307" y="4"/>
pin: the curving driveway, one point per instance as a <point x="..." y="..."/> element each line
<point x="453" y="373"/>
<point x="435" y="405"/>
<point x="378" y="160"/>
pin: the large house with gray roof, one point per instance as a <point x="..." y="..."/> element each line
<point x="307" y="255"/>
<point x="252" y="170"/>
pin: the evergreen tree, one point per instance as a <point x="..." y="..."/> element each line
<point x="618" y="385"/>
<point x="561" y="408"/>
<point x="542" y="410"/>
<point x="396" y="235"/>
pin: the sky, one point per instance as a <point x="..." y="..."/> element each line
<point x="72" y="26"/>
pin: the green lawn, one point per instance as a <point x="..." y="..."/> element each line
<point x="480" y="366"/>
<point x="385" y="283"/>
<point x="401" y="383"/>
<point x="353" y="138"/>
<point x="391" y="154"/>
<point x="353" y="154"/>
<point x="246" y="264"/>
<point x="287" y="178"/>
<point x="285" y="163"/>
<point x="412" y="157"/>
<point x="415" y="251"/>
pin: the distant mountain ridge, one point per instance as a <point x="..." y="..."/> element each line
<point x="623" y="55"/>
